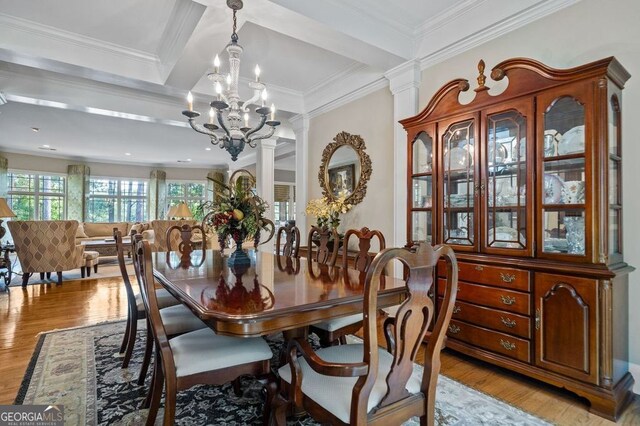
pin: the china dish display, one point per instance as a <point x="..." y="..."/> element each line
<point x="573" y="192"/>
<point x="572" y="141"/>
<point x="497" y="154"/>
<point x="552" y="189"/>
<point x="551" y="138"/>
<point x="506" y="237"/>
<point x="457" y="159"/>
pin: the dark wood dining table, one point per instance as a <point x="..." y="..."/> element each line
<point x="273" y="294"/>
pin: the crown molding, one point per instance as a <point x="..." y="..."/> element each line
<point x="495" y="30"/>
<point x="446" y="17"/>
<point x="3" y="99"/>
<point x="404" y="76"/>
<point x="372" y="86"/>
<point x="183" y="20"/>
<point x="351" y="69"/>
<point x="34" y="29"/>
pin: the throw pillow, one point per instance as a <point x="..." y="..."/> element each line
<point x="80" y="231"/>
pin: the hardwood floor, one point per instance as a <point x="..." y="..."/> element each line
<point x="26" y="312"/>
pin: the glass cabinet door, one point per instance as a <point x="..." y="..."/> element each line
<point x="421" y="214"/>
<point x="506" y="181"/>
<point x="459" y="184"/>
<point x="615" y="181"/>
<point x="564" y="180"/>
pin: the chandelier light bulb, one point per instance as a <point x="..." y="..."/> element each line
<point x="246" y="119"/>
<point x="216" y="64"/>
<point x="212" y="115"/>
<point x="264" y="96"/>
<point x="190" y="101"/>
<point x="257" y="71"/>
<point x="273" y="112"/>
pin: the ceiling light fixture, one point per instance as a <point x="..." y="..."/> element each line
<point x="227" y="109"/>
<point x="127" y="154"/>
<point x="35" y="129"/>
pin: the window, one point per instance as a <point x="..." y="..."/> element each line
<point x="284" y="202"/>
<point x="117" y="200"/>
<point x="191" y="193"/>
<point x="33" y="196"/>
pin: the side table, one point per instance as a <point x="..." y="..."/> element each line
<point x="5" y="265"/>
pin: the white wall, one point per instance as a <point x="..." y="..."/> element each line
<point x="372" y="118"/>
<point x="587" y="31"/>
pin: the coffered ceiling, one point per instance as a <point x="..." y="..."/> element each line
<point x="101" y="79"/>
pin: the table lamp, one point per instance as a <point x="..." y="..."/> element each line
<point x="5" y="211"/>
<point x="172" y="212"/>
<point x="182" y="211"/>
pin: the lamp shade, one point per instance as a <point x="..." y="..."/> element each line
<point x="182" y="211"/>
<point x="5" y="210"/>
<point x="172" y="212"/>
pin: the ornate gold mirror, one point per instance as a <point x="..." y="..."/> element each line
<point x="345" y="168"/>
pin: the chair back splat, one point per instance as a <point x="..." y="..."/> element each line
<point x="291" y="245"/>
<point x="185" y="244"/>
<point x="328" y="245"/>
<point x="363" y="259"/>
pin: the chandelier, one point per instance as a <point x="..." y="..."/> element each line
<point x="232" y="131"/>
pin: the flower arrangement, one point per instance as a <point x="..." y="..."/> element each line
<point x="328" y="212"/>
<point x="236" y="212"/>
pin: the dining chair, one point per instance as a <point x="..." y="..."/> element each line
<point x="135" y="307"/>
<point x="328" y="242"/>
<point x="336" y="330"/>
<point x="185" y="245"/>
<point x="361" y="383"/>
<point x="291" y="245"/>
<point x="198" y="357"/>
<point x="178" y="318"/>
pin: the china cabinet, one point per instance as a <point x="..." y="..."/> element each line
<point x="525" y="185"/>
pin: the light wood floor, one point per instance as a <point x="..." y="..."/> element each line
<point x="26" y="312"/>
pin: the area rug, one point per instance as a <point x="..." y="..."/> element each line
<point x="80" y="368"/>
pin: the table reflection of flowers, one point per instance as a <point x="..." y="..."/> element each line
<point x="238" y="299"/>
<point x="237" y="213"/>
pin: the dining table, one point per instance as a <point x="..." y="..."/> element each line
<point x="272" y="294"/>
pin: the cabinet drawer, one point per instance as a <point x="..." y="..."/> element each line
<point x="506" y="322"/>
<point x="499" y="276"/>
<point x="494" y="341"/>
<point x="512" y="301"/>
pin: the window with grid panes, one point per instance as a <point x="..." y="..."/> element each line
<point x="191" y="193"/>
<point x="34" y="196"/>
<point x="117" y="200"/>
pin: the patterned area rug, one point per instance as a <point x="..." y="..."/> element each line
<point x="80" y="368"/>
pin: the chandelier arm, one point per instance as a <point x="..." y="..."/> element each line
<point x="201" y="129"/>
<point x="260" y="125"/>
<point x="256" y="96"/>
<point x="252" y="141"/>
<point x="223" y="126"/>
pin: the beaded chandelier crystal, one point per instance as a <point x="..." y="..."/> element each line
<point x="227" y="109"/>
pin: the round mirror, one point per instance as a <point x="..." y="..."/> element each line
<point x="345" y="168"/>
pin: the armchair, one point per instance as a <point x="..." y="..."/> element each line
<point x="46" y="246"/>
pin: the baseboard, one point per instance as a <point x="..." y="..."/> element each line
<point x="634" y="369"/>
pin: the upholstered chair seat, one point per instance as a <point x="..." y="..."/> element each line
<point x="337" y="401"/>
<point x="164" y="299"/>
<point x="179" y="319"/>
<point x="203" y="350"/>
<point x="338" y="323"/>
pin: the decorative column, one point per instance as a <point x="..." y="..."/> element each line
<point x="77" y="191"/>
<point x="218" y="175"/>
<point x="4" y="181"/>
<point x="300" y="126"/>
<point x="404" y="83"/>
<point x="157" y="195"/>
<point x="265" y="180"/>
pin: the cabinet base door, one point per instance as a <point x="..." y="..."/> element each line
<point x="565" y="322"/>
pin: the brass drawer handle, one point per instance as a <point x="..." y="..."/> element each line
<point x="454" y="329"/>
<point x="507" y="278"/>
<point x="508" y="322"/>
<point x="456" y="309"/>
<point x="508" y="300"/>
<point x="479" y="268"/>
<point x="507" y="345"/>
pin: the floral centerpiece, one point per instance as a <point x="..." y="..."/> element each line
<point x="237" y="213"/>
<point x="328" y="212"/>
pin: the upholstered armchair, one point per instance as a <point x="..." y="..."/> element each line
<point x="46" y="246"/>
